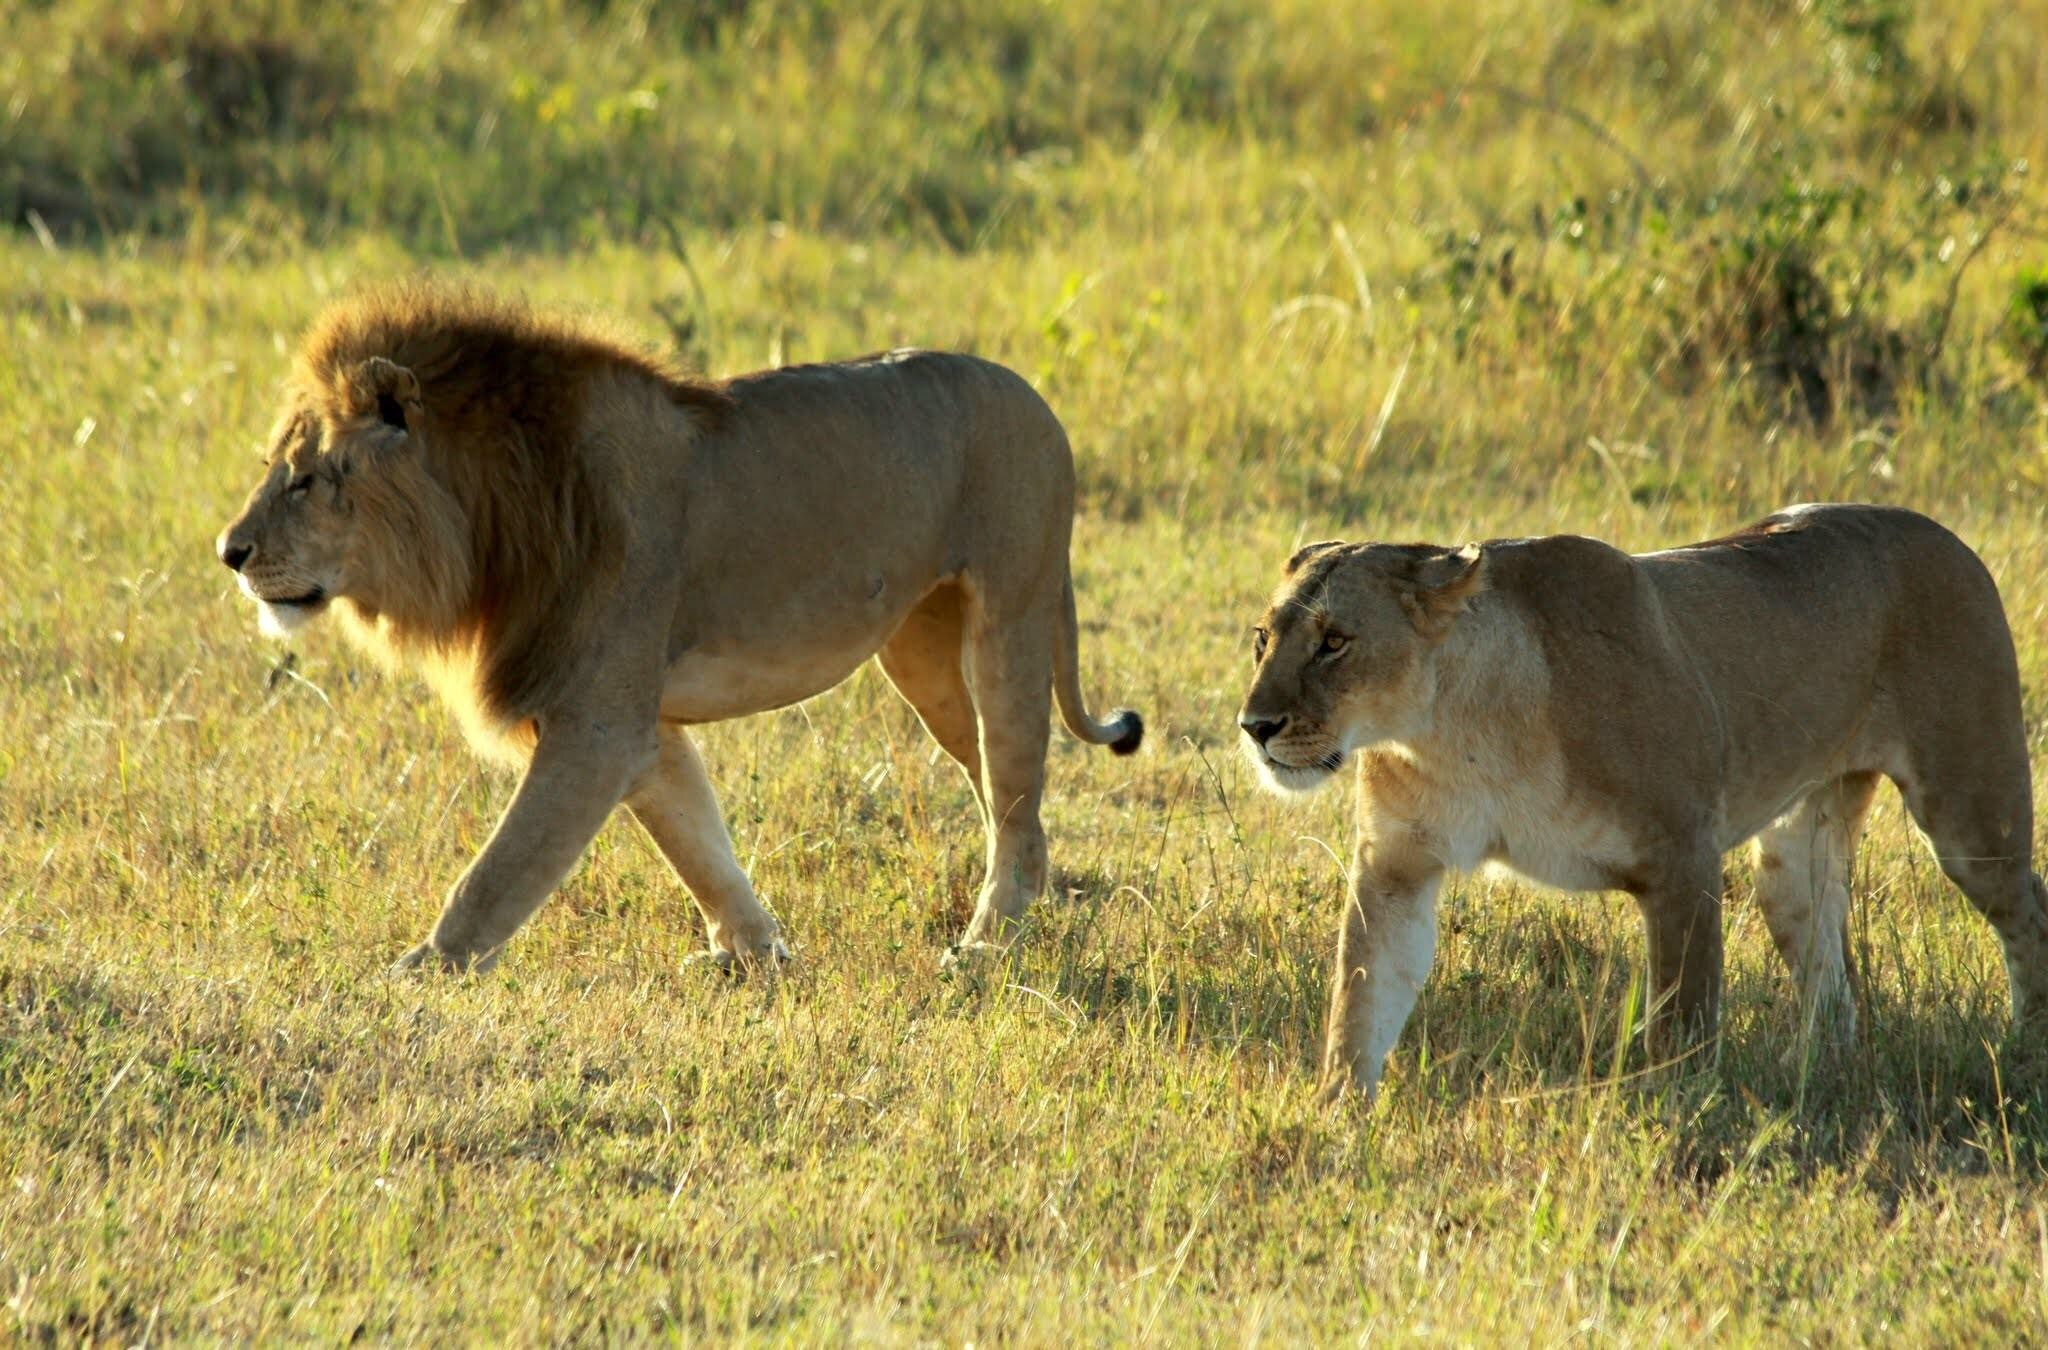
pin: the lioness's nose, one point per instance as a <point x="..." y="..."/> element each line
<point x="234" y="554"/>
<point x="1262" y="729"/>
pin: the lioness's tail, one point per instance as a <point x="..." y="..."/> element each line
<point x="1125" y="730"/>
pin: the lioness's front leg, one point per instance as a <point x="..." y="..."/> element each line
<point x="580" y="771"/>
<point x="675" y="804"/>
<point x="1385" y="947"/>
<point x="1682" y="919"/>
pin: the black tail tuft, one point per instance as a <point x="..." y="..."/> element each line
<point x="1130" y="734"/>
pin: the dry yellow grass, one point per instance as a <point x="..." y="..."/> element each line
<point x="219" y="1119"/>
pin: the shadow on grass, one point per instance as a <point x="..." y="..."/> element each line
<point x="1942" y="1086"/>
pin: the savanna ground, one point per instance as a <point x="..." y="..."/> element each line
<point x="1636" y="270"/>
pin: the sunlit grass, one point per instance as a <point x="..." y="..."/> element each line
<point x="1257" y="316"/>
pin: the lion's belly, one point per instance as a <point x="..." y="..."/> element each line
<point x="779" y="646"/>
<point x="713" y="686"/>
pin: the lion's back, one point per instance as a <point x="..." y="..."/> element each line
<point x="964" y="445"/>
<point x="951" y="394"/>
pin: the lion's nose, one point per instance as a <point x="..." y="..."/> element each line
<point x="1262" y="729"/>
<point x="233" y="554"/>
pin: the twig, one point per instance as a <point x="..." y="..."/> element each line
<point x="682" y="252"/>
<point x="1379" y="426"/>
<point x="1938" y="337"/>
<point x="1523" y="99"/>
<point x="1341" y="238"/>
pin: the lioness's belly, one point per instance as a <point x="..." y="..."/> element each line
<point x="1548" y="839"/>
<point x="1578" y="853"/>
<point x="1539" y="834"/>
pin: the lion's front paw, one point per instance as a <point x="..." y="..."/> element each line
<point x="427" y="959"/>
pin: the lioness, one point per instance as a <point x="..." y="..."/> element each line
<point x="1596" y="721"/>
<point x="587" y="552"/>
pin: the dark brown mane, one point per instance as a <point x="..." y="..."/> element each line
<point x="503" y="396"/>
<point x="483" y="357"/>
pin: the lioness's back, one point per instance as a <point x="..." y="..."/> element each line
<point x="1821" y="635"/>
<point x="1842" y="573"/>
<point x="1872" y="599"/>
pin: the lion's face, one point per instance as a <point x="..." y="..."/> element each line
<point x="1345" y="655"/>
<point x="308" y="533"/>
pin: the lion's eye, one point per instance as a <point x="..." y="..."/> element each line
<point x="300" y="486"/>
<point x="1259" y="638"/>
<point x="1332" y="644"/>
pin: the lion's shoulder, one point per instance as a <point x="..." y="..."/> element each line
<point x="518" y="418"/>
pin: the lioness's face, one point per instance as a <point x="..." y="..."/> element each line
<point x="294" y="546"/>
<point x="1344" y="655"/>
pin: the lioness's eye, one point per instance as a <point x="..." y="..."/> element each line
<point x="1259" y="644"/>
<point x="1333" y="643"/>
<point x="300" y="486"/>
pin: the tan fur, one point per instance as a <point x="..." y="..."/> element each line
<point x="1595" y="721"/>
<point x="585" y="551"/>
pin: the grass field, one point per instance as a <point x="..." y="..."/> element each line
<point x="1635" y="270"/>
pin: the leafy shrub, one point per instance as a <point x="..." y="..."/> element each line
<point x="2024" y="331"/>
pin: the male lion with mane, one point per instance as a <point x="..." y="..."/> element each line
<point x="587" y="551"/>
<point x="1596" y="721"/>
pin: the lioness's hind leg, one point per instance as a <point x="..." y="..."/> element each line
<point x="1009" y="670"/>
<point x="924" y="661"/>
<point x="675" y="804"/>
<point x="1804" y="861"/>
<point x="1983" y="839"/>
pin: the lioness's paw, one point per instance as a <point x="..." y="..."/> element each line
<point x="1341" y="1092"/>
<point x="963" y="956"/>
<point x="768" y="955"/>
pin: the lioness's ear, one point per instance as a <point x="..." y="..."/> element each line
<point x="1307" y="551"/>
<point x="392" y="389"/>
<point x="1444" y="582"/>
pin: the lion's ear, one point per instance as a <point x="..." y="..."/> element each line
<point x="1444" y="583"/>
<point x="391" y="389"/>
<point x="1307" y="551"/>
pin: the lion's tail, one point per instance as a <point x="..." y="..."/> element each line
<point x="1124" y="731"/>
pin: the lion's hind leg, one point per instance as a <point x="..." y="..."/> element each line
<point x="1804" y="861"/>
<point x="924" y="660"/>
<point x="675" y="804"/>
<point x="1009" y="671"/>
